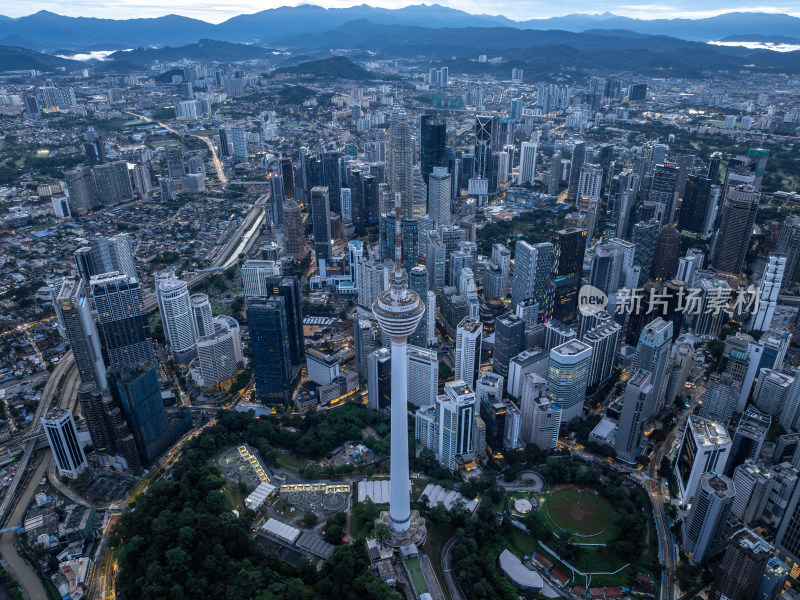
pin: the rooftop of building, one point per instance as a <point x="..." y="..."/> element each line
<point x="571" y="348"/>
<point x="709" y="433"/>
<point x="470" y="325"/>
<point x="719" y="485"/>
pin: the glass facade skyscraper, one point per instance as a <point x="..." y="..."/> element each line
<point x="269" y="348"/>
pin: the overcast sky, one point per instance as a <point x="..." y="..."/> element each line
<point x="218" y="10"/>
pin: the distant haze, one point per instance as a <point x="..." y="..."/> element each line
<point x="216" y="12"/>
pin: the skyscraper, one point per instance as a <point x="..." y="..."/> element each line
<point x="704" y="528"/>
<point x="578" y="158"/>
<point x="121" y="320"/>
<point x="433" y="145"/>
<point x="321" y="220"/>
<point x="663" y="190"/>
<point x="604" y="342"/>
<point x="768" y="290"/>
<point x="739" y="574"/>
<point x="509" y="339"/>
<point x="111" y="254"/>
<point x="696" y="204"/>
<point x="636" y="406"/>
<point x="269" y="348"/>
<point x="705" y="448"/>
<point x="379" y="379"/>
<point x="62" y="435"/>
<point x="789" y="245"/>
<point x="568" y="376"/>
<point x="294" y="240"/>
<point x="541" y="417"/>
<point x="456" y="410"/>
<point x="533" y="265"/>
<point x="439" y="197"/>
<point x="751" y="431"/>
<point x="401" y="158"/>
<point x="667" y="253"/>
<point x="469" y="336"/>
<point x="177" y="319"/>
<point x="527" y="163"/>
<point x="423" y="376"/>
<point x="652" y="353"/>
<point x="418" y="283"/>
<point x="736" y="226"/>
<point x="288" y="287"/>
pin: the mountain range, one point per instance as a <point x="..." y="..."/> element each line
<point x="47" y="31"/>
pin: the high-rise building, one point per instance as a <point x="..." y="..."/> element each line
<point x="644" y="235"/>
<point x="568" y="376"/>
<point x="456" y="410"/>
<point x="637" y="403"/>
<point x="111" y="254"/>
<point x="294" y="240"/>
<point x="604" y="342"/>
<point x="400" y="160"/>
<point x="739" y="574"/>
<point x="667" y="253"/>
<point x="509" y="339"/>
<point x="578" y="159"/>
<point x="789" y="245"/>
<point x="321" y="220"/>
<point x="433" y="145"/>
<point x="82" y="190"/>
<point x="705" y="448"/>
<point x="735" y="228"/>
<point x="751" y="431"/>
<point x="288" y="287"/>
<point x="527" y="163"/>
<point x="219" y="350"/>
<point x="663" y="190"/>
<point x="696" y="204"/>
<point x="202" y="314"/>
<point x="771" y="391"/>
<point x="136" y="391"/>
<point x="379" y="379"/>
<point x="121" y="320"/>
<point x="527" y="361"/>
<point x="590" y="183"/>
<point x="652" y="353"/>
<point x="768" y="290"/>
<point x="108" y="428"/>
<point x="423" y="376"/>
<point x="541" y="417"/>
<point x="141" y="181"/>
<point x="720" y="399"/>
<point x="62" y="435"/>
<point x="73" y="308"/>
<point x="269" y="348"/>
<point x="175" y="164"/>
<point x="177" y="318"/>
<point x="469" y="336"/>
<point x="790" y="416"/>
<point x="704" y="528"/>
<point x="439" y="196"/>
<point x="113" y="183"/>
<point x="533" y="266"/>
<point x="418" y="283"/>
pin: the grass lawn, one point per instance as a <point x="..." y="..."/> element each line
<point x="235" y="498"/>
<point x="438" y="536"/>
<point x="416" y="575"/>
<point x="289" y="461"/>
<point x="579" y="512"/>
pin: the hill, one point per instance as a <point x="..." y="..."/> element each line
<point x="14" y="58"/>
<point x="204" y="50"/>
<point x="339" y="67"/>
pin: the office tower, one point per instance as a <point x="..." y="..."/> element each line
<point x="366" y="338"/>
<point x="111" y="254"/>
<point x="489" y="388"/>
<point x="135" y="389"/>
<point x="175" y="165"/>
<point x="288" y="287"/>
<point x="95" y="150"/>
<point x="62" y="435"/>
<point x="568" y="376"/>
<point x="739" y="574"/>
<point x="74" y="310"/>
<point x="141" y="181"/>
<point x="409" y="232"/>
<point x="645" y="235"/>
<point x="201" y="314"/>
<point x="637" y="403"/>
<point x="274" y="211"/>
<point x="400" y="160"/>
<point x="773" y="579"/>
<point x="720" y="398"/>
<point x="569" y="248"/>
<point x="254" y="275"/>
<point x="121" y="320"/>
<point x="663" y="188"/>
<point x="533" y="265"/>
<point x="735" y="228"/>
<point x="704" y="528"/>
<point x="418" y="283"/>
<point x="322" y="368"/>
<point x="456" y="411"/>
<point x="167" y="189"/>
<point x="502" y="258"/>
<point x="379" y="379"/>
<point x="238" y="139"/>
<point x="432" y="145"/>
<point x="704" y="449"/>
<point x="791" y="406"/>
<point x="509" y="335"/>
<point x="606" y="268"/>
<point x="789" y="245"/>
<point x="768" y="290"/>
<point x="527" y="361"/>
<point x="666" y="254"/>
<point x="81" y="189"/>
<point x="755" y="485"/>
<point x="331" y="179"/>
<point x="287" y="177"/>
<point x="556" y="333"/>
<point x="604" y="341"/>
<point x="269" y="349"/>
<point x="527" y="163"/>
<point x="113" y="182"/>
<point x="439" y="197"/>
<point x="652" y="353"/>
<point x="741" y="360"/>
<point x="590" y="183"/>
<point x="399" y="311"/>
<point x="423" y="376"/>
<point x="696" y="204"/>
<point x="225" y="147"/>
<point x="751" y="431"/>
<point x="294" y="240"/>
<point x="321" y="219"/>
<point x="689" y="265"/>
<point x="541" y="417"/>
<point x="708" y="320"/>
<point x="469" y="336"/>
<point x="578" y="158"/>
<point x="177" y="319"/>
<point x="479" y="437"/>
<point x="219" y="350"/>
<point x="771" y="391"/>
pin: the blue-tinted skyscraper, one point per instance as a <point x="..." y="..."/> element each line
<point x="269" y="348"/>
<point x="136" y="391"/>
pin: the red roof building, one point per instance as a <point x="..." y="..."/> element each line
<point x="578" y="591"/>
<point x="612" y="593"/>
<point x="543" y="560"/>
<point x="559" y="576"/>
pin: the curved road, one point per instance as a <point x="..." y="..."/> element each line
<point x="453" y="589"/>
